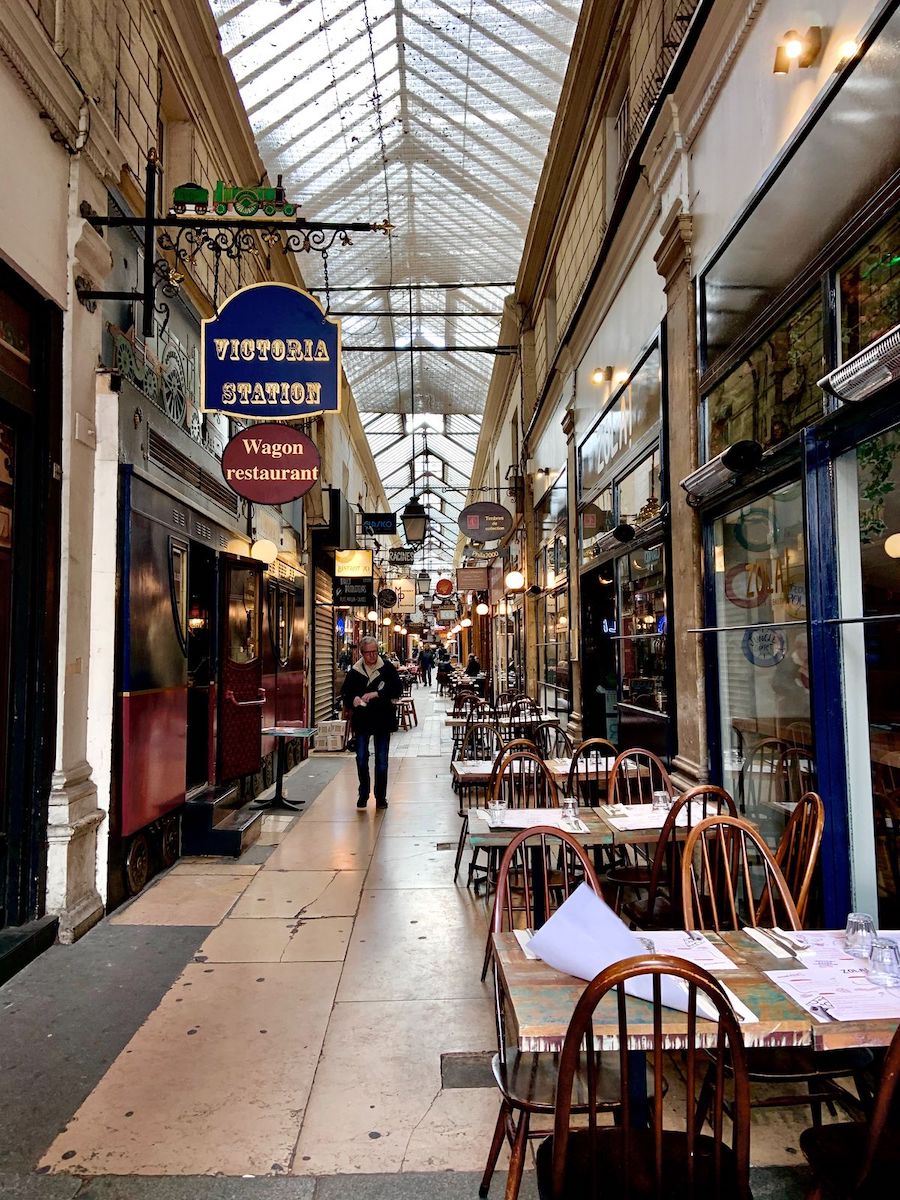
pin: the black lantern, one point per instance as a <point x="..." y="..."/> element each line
<point x="415" y="521"/>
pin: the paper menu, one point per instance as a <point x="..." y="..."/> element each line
<point x="584" y="936"/>
<point x="528" y="818"/>
<point x="644" y="816"/>
<point x="845" y="993"/>
<point x="698" y="950"/>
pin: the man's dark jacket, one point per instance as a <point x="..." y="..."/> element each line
<point x="377" y="716"/>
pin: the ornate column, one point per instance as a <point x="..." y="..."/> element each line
<point x="568" y="424"/>
<point x="673" y="262"/>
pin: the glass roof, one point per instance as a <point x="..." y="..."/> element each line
<point x="434" y="115"/>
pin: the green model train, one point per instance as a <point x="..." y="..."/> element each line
<point x="243" y="201"/>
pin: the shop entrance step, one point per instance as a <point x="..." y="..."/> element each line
<point x="213" y="823"/>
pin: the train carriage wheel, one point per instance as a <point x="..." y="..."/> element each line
<point x="269" y="210"/>
<point x="170" y="842"/>
<point x="221" y="209"/>
<point x="137" y="864"/>
<point x="245" y="203"/>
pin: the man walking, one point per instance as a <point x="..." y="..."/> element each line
<point x="425" y="664"/>
<point x="369" y="691"/>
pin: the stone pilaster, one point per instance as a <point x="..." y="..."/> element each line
<point x="673" y="261"/>
<point x="568" y="423"/>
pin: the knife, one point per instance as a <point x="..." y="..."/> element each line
<point x="768" y="943"/>
<point x="782" y="940"/>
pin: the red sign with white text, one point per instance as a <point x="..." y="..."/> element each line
<point x="270" y="464"/>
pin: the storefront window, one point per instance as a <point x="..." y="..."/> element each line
<point x="553" y="651"/>
<point x="243" y="615"/>
<point x="760" y="583"/>
<point x="870" y="585"/>
<point x="632" y="415"/>
<point x="773" y="392"/>
<point x="642" y="645"/>
<point x="639" y="492"/>
<point x="596" y="519"/>
<point x="869" y="288"/>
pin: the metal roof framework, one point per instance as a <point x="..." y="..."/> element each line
<point x="435" y="115"/>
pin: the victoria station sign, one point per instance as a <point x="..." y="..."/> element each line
<point x="271" y="354"/>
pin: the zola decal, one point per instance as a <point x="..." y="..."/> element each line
<point x="271" y="354"/>
<point x="270" y="464"/>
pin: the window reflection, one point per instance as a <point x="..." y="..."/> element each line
<point x="243" y="615"/>
<point x="642" y="648"/>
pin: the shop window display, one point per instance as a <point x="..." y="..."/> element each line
<point x="642" y="646"/>
<point x="869" y="289"/>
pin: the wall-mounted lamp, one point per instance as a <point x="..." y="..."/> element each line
<point x="891" y="547"/>
<point x="482" y="609"/>
<point x="620" y="376"/>
<point x="398" y="629"/>
<point x="601" y="375"/>
<point x="264" y="551"/>
<point x="385" y="621"/>
<point x="466" y="623"/>
<point x="371" y="615"/>
<point x="514" y="581"/>
<point x="197" y="617"/>
<point x="738" y="459"/>
<point x="847" y="50"/>
<point x="796" y="49"/>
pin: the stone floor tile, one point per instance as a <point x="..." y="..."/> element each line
<point x="301" y="893"/>
<point x="183" y="899"/>
<point x="263" y="939"/>
<point x="411" y="963"/>
<point x="213" y="866"/>
<point x="216" y="1080"/>
<point x="337" y="846"/>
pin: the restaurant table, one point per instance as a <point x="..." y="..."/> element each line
<point x="283" y="733"/>
<point x="478" y="774"/>
<point x="461" y="722"/>
<point x="542" y="1000"/>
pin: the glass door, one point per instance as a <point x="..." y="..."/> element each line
<point x="7" y="482"/>
<point x="762" y="657"/>
<point x="867" y="482"/>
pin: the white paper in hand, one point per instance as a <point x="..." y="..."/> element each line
<point x="584" y="936"/>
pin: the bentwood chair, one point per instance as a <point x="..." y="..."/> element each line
<point x="670" y="1155"/>
<point x="636" y="775"/>
<point x="481" y="744"/>
<point x="552" y="741"/>
<point x="522" y="780"/>
<point x="798" y="851"/>
<point x="588" y="778"/>
<point x="552" y="863"/>
<point x="860" y="1159"/>
<point x="658" y="904"/>
<point x="729" y="880"/>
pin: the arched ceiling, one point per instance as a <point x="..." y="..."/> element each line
<point x="434" y="115"/>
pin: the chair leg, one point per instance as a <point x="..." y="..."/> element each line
<point x="494" y="1152"/>
<point x="517" y="1158"/>
<point x="461" y="847"/>
<point x="488" y="949"/>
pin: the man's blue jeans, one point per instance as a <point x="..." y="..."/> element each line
<point x="382" y="749"/>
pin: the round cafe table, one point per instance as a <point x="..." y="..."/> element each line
<point x="282" y="733"/>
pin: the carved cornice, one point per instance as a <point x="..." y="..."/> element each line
<point x="676" y="240"/>
<point x="723" y="69"/>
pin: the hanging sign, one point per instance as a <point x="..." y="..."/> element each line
<point x="356" y="593"/>
<point x="471" y="579"/>
<point x="401" y="556"/>
<point x="444" y="587"/>
<point x="485" y="521"/>
<point x="353" y="564"/>
<point x="270" y="464"/>
<point x="270" y="354"/>
<point x="379" y="522"/>
<point x="387" y="597"/>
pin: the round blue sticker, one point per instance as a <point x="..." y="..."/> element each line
<point x="764" y="647"/>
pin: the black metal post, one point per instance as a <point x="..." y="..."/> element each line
<point x="149" y="245"/>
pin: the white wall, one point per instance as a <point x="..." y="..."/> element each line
<point x="33" y="198"/>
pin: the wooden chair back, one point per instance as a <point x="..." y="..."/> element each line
<point x="798" y="851"/>
<point x="552" y="741"/>
<point x="481" y="743"/>
<point x="463" y="701"/>
<point x="520" y="779"/>
<point x="694" y="805"/>
<point x="541" y="859"/>
<point x="883" y="1125"/>
<point x="729" y="878"/>
<point x="762" y="774"/>
<point x="601" y="1160"/>
<point x="589" y="771"/>
<point x="636" y="775"/>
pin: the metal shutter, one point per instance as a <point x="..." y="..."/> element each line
<point x="323" y="665"/>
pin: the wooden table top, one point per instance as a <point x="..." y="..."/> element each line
<point x="461" y="722"/>
<point x="475" y="773"/>
<point x="542" y="1000"/>
<point x="826" y="1035"/>
<point x="481" y="834"/>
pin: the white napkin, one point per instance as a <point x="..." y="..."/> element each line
<point x="584" y="936"/>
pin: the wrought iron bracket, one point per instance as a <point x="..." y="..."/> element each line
<point x="186" y="237"/>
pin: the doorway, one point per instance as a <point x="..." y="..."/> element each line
<point x="201" y="666"/>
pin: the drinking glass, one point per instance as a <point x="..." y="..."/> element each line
<point x="884" y="962"/>
<point x="496" y="812"/>
<point x="661" y="802"/>
<point x="569" y="809"/>
<point x="860" y="934"/>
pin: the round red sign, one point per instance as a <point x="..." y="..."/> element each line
<point x="270" y="464"/>
<point x="445" y="587"/>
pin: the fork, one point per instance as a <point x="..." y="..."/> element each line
<point x="821" y="1004"/>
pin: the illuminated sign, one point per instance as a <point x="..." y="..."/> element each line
<point x="379" y="522"/>
<point x="353" y="564"/>
<point x="270" y="354"/>
<point x="270" y="464"/>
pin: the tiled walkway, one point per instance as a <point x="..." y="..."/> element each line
<point x="304" y="1038"/>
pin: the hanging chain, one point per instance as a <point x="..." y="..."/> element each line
<point x="327" y="283"/>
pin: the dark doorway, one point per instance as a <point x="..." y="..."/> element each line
<point x="201" y="666"/>
<point x="599" y="676"/>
